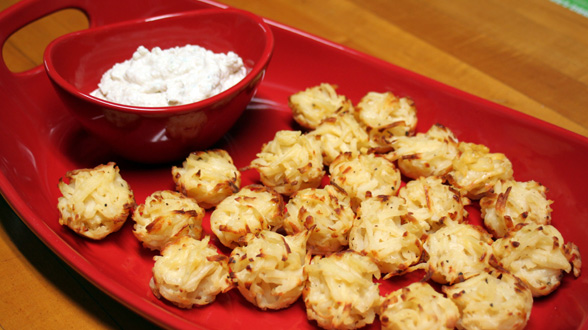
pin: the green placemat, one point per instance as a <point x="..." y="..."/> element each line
<point x="579" y="6"/>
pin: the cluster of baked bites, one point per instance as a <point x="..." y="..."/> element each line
<point x="354" y="197"/>
<point x="409" y="192"/>
<point x="189" y="270"/>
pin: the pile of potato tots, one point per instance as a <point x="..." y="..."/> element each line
<point x="353" y="197"/>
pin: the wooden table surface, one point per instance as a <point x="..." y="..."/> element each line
<point x="531" y="56"/>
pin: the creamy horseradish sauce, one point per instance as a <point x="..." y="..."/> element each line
<point x="171" y="76"/>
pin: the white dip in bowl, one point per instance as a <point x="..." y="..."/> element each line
<point x="169" y="77"/>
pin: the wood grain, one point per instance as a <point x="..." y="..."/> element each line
<point x="530" y="55"/>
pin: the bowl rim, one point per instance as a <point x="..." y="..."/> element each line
<point x="257" y="68"/>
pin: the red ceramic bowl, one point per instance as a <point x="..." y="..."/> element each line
<point x="76" y="62"/>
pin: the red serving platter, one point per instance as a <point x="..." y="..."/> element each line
<point x="41" y="142"/>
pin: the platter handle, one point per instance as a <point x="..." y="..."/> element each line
<point x="98" y="12"/>
<point x="26" y="12"/>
